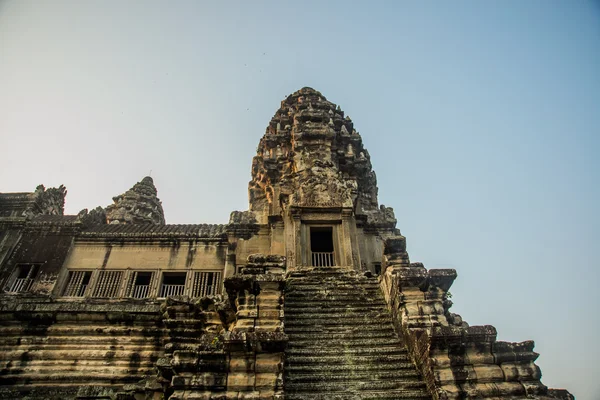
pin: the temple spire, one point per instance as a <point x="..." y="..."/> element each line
<point x="138" y="205"/>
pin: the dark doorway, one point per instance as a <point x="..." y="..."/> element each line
<point x="321" y="240"/>
<point x="321" y="246"/>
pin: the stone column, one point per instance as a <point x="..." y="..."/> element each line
<point x="346" y="256"/>
<point x="349" y="216"/>
<point x="297" y="257"/>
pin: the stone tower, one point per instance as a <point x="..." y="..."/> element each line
<point x="307" y="295"/>
<point x="138" y="205"/>
<point x="312" y="176"/>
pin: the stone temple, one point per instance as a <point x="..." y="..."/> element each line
<point x="309" y="294"/>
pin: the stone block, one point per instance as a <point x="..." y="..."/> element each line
<point x="268" y="314"/>
<point x="266" y="380"/>
<point x="488" y="373"/>
<point x="242" y="363"/>
<point x="521" y="371"/>
<point x="268" y="363"/>
<point x="241" y="381"/>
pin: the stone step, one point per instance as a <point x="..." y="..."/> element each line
<point x="324" y="305"/>
<point x="350" y="299"/>
<point x="349" y="286"/>
<point x="359" y="350"/>
<point x="341" y="359"/>
<point x="343" y="369"/>
<point x="338" y="329"/>
<point x="335" y="278"/>
<point x="300" y="308"/>
<point x="329" y="277"/>
<point x="407" y="376"/>
<point x="347" y="321"/>
<point x="363" y="296"/>
<point x="349" y="314"/>
<point x="319" y="304"/>
<point x="369" y="395"/>
<point x="375" y="290"/>
<point x="332" y="285"/>
<point x="358" y="385"/>
<point x="315" y="342"/>
<point x="336" y="336"/>
<point x="334" y="301"/>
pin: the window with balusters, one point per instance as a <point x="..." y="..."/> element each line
<point x="108" y="283"/>
<point x="140" y="284"/>
<point x="78" y="283"/>
<point x="173" y="284"/>
<point x="23" y="277"/>
<point x="206" y="284"/>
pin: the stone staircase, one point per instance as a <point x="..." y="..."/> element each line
<point x="342" y="344"/>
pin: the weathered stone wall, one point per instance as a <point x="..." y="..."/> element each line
<point x="9" y="237"/>
<point x="256" y="341"/>
<point x="46" y="245"/>
<point x="55" y="349"/>
<point x="174" y="254"/>
<point x="228" y="348"/>
<point x="260" y="242"/>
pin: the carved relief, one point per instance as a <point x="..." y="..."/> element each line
<point x="49" y="201"/>
<point x="45" y="283"/>
<point x="95" y="217"/>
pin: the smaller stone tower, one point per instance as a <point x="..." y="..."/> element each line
<point x="138" y="205"/>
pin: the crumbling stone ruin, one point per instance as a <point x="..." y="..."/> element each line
<point x="308" y="294"/>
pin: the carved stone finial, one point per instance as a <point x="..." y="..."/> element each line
<point x="138" y="205"/>
<point x="97" y="216"/>
<point x="49" y="201"/>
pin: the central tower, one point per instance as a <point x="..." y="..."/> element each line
<point x="314" y="187"/>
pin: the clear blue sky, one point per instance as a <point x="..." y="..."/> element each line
<point x="482" y="120"/>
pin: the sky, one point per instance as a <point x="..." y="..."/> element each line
<point x="482" y="120"/>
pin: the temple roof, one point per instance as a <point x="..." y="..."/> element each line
<point x="210" y="231"/>
<point x="54" y="219"/>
